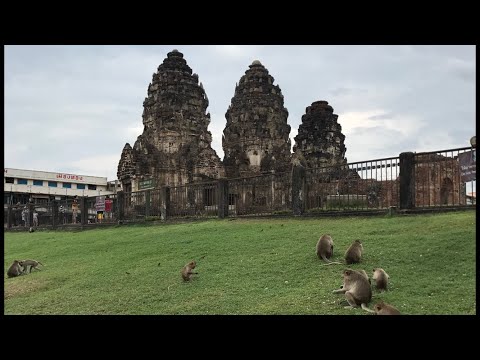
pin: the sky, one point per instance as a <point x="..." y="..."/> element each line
<point x="72" y="109"/>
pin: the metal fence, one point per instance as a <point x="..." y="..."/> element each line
<point x="362" y="185"/>
<point x="194" y="200"/>
<point x="410" y="181"/>
<point x="268" y="194"/>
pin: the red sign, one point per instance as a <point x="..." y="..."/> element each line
<point x="69" y="177"/>
<point x="108" y="205"/>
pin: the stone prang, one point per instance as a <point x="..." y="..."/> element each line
<point x="320" y="137"/>
<point x="256" y="136"/>
<point x="175" y="146"/>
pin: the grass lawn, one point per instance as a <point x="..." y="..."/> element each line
<point x="251" y="266"/>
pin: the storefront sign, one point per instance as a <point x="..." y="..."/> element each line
<point x="69" y="177"/>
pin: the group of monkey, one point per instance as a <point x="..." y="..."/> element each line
<point x="356" y="283"/>
<point x="22" y="267"/>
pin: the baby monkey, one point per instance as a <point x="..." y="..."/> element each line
<point x="381" y="278"/>
<point x="187" y="270"/>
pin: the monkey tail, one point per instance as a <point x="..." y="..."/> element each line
<point x="202" y="257"/>
<point x="332" y="263"/>
<point x="168" y="287"/>
<point x="365" y="307"/>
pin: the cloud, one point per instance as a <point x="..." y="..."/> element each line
<point x="75" y="107"/>
<point x="101" y="165"/>
<point x="345" y="91"/>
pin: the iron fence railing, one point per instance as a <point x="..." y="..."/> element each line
<point x="268" y="194"/>
<point x="362" y="185"/>
<point x="428" y="180"/>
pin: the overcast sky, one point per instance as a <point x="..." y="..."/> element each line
<point x="72" y="108"/>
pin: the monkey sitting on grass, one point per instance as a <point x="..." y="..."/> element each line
<point x="382" y="308"/>
<point x="187" y="270"/>
<point x="356" y="288"/>
<point x="15" y="269"/>
<point x="353" y="255"/>
<point x="324" y="248"/>
<point x="381" y="278"/>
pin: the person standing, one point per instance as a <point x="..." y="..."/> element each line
<point x="35" y="218"/>
<point x="74" y="210"/>
<point x="24" y="216"/>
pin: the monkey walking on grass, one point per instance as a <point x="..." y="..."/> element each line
<point x="32" y="263"/>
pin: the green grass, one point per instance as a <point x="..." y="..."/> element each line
<point x="252" y="266"/>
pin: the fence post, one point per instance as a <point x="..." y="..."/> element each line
<point x="222" y="198"/>
<point x="9" y="217"/>
<point x="54" y="214"/>
<point x="84" y="210"/>
<point x="120" y="205"/>
<point x="298" y="189"/>
<point x="147" y="203"/>
<point x="407" y="180"/>
<point x="165" y="207"/>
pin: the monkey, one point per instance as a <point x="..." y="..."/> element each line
<point x="15" y="269"/>
<point x="364" y="273"/>
<point x="187" y="270"/>
<point x="324" y="248"/>
<point x="382" y="308"/>
<point x="356" y="289"/>
<point x="352" y="255"/>
<point x="32" y="263"/>
<point x="381" y="278"/>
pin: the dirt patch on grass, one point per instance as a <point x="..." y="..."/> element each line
<point x="18" y="287"/>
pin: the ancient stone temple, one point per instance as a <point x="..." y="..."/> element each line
<point x="320" y="137"/>
<point x="175" y="146"/>
<point x="256" y="136"/>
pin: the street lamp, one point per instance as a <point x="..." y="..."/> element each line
<point x="473" y="141"/>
